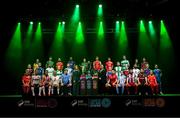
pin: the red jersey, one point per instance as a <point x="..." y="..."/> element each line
<point x="26" y="79"/>
<point x="131" y="80"/>
<point x="126" y="72"/>
<point x="112" y="78"/>
<point x="152" y="79"/>
<point x="59" y="65"/>
<point x="97" y="65"/>
<point x="141" y="78"/>
<point x="109" y="64"/>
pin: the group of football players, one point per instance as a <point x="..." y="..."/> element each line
<point x="112" y="79"/>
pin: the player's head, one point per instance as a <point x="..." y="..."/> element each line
<point x="88" y="72"/>
<point x="65" y="71"/>
<point x="97" y="58"/>
<point x="46" y="72"/>
<point x="84" y="60"/>
<point x="113" y="71"/>
<point x="29" y="66"/>
<point x="54" y="73"/>
<point x="118" y="63"/>
<point x="68" y="65"/>
<point x="37" y="60"/>
<point x="130" y="71"/>
<point x="124" y="57"/>
<point x="59" y="59"/>
<point x="89" y="62"/>
<point x="26" y="72"/>
<point x="136" y="60"/>
<point x="109" y="59"/>
<point x="122" y="73"/>
<point x="49" y="65"/>
<point x="156" y="66"/>
<point x="50" y="58"/>
<point x="151" y="72"/>
<point x="144" y="59"/>
<point x="76" y="67"/>
<point x="70" y="58"/>
<point x="147" y="65"/>
<point x="39" y="64"/>
<point x="142" y="71"/>
<point x="135" y="65"/>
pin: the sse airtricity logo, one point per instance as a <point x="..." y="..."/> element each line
<point x="106" y="102"/>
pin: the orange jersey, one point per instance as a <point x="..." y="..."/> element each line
<point x="152" y="79"/>
<point x="97" y="65"/>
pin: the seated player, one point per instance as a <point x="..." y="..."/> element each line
<point x="95" y="80"/>
<point x="55" y="82"/>
<point x="121" y="83"/>
<point x="109" y="72"/>
<point x="69" y="69"/>
<point x="46" y="83"/>
<point x="66" y="84"/>
<point x="118" y="69"/>
<point x="26" y="80"/>
<point x="153" y="83"/>
<point x="131" y="83"/>
<point x="102" y="80"/>
<point x="142" y="83"/>
<point x="35" y="83"/>
<point x="158" y="74"/>
<point x="136" y="72"/>
<point x="109" y="64"/>
<point x="111" y="82"/>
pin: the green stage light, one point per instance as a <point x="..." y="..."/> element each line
<point x="117" y="22"/>
<point x="77" y="6"/>
<point x="59" y="23"/>
<point x="150" y="22"/>
<point x="63" y="22"/>
<point x="31" y="23"/>
<point x="39" y="23"/>
<point x="100" y="6"/>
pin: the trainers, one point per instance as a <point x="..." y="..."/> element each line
<point x="70" y="94"/>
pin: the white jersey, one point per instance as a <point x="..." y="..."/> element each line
<point x="50" y="71"/>
<point x="36" y="79"/>
<point x="70" y="71"/>
<point x="55" y="80"/>
<point x="122" y="79"/>
<point x="136" y="72"/>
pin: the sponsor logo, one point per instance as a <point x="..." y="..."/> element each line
<point x="154" y="102"/>
<point x="78" y="103"/>
<point x="105" y="103"/>
<point x="25" y="103"/>
<point x="133" y="102"/>
<point x="46" y="103"/>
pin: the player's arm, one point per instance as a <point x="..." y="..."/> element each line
<point x="146" y="81"/>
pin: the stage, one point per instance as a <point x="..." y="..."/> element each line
<point x="126" y="105"/>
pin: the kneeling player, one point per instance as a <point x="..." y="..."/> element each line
<point x="26" y="79"/>
<point x="46" y="83"/>
<point x="55" y="82"/>
<point x="66" y="82"/>
<point x="153" y="83"/>
<point x="36" y="83"/>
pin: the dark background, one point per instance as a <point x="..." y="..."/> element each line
<point x="49" y="12"/>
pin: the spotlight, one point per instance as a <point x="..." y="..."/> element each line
<point x="117" y="22"/>
<point x="77" y="6"/>
<point x="31" y="23"/>
<point x="63" y="22"/>
<point x="100" y="5"/>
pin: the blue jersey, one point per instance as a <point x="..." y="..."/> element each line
<point x="147" y="72"/>
<point x="40" y="71"/>
<point x="108" y="73"/>
<point x="157" y="73"/>
<point x="65" y="79"/>
<point x="71" y="64"/>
